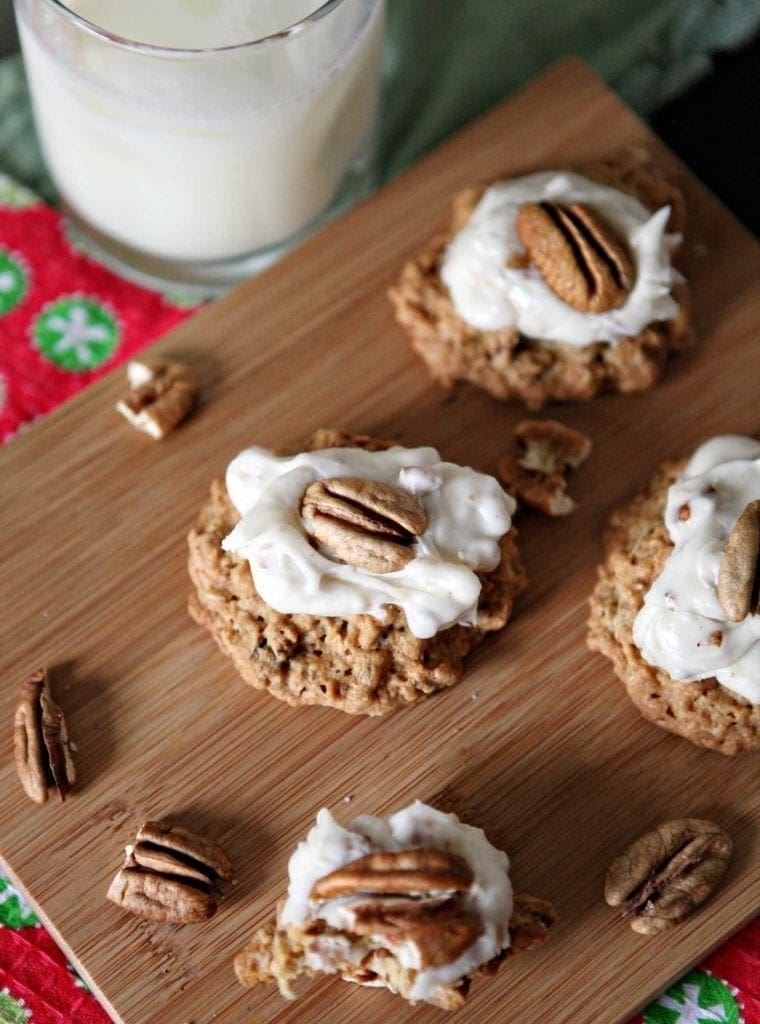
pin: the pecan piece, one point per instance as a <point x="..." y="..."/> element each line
<point x="441" y="931"/>
<point x="40" y="741"/>
<point x="409" y="871"/>
<point x="339" y="437"/>
<point x="171" y="874"/>
<point x="368" y="524"/>
<point x="738" y="570"/>
<point x="531" y="919"/>
<point x="533" y="468"/>
<point x="161" y="395"/>
<point x="581" y="257"/>
<point x="411" y="895"/>
<point x="666" y="874"/>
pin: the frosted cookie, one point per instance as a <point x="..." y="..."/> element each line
<point x="555" y="285"/>
<point x="675" y="607"/>
<point x="418" y="903"/>
<point x="357" y="575"/>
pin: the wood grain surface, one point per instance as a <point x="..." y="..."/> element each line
<point x="538" y="745"/>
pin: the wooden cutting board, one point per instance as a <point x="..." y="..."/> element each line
<point x="538" y="745"/>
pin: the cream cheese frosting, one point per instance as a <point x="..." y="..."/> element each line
<point x="491" y="295"/>
<point x="681" y="627"/>
<point x="329" y="846"/>
<point x="468" y="513"/>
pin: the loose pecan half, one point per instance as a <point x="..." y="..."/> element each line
<point x="665" y="875"/>
<point x="161" y="395"/>
<point x="171" y="874"/>
<point x="369" y="524"/>
<point x="40" y="741"/>
<point x="581" y="257"/>
<point x="738" y="570"/>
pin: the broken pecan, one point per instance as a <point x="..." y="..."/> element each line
<point x="531" y="919"/>
<point x="161" y="395"/>
<point x="369" y="524"/>
<point x="666" y="874"/>
<point x="40" y="742"/>
<point x="408" y="896"/>
<point x="738" y="570"/>
<point x="581" y="257"/>
<point x="171" y="874"/>
<point x="533" y="469"/>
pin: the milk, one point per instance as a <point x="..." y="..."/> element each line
<point x="204" y="156"/>
<point x="193" y="24"/>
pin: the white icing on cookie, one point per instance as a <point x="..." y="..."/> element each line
<point x="468" y="513"/>
<point x="329" y="847"/>
<point x="682" y="628"/>
<point x="491" y="295"/>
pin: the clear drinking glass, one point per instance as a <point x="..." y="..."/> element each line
<point x="197" y="166"/>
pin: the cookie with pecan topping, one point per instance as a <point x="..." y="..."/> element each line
<point x="418" y="902"/>
<point x="637" y="546"/>
<point x="359" y="663"/>
<point x="546" y="302"/>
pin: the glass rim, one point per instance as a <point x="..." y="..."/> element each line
<point x="325" y="8"/>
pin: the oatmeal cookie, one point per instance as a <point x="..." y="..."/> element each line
<point x="506" y="363"/>
<point x="357" y="664"/>
<point x="637" y="545"/>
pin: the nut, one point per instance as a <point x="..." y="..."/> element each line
<point x="580" y="256"/>
<point x="666" y="874"/>
<point x="40" y="741"/>
<point x="531" y="919"/>
<point x="171" y="874"/>
<point x="423" y="871"/>
<point x="413" y="895"/>
<point x="161" y="395"/>
<point x="339" y="437"/>
<point x="442" y="932"/>
<point x="369" y="524"/>
<point x="738" y="570"/>
<point x="533" y="469"/>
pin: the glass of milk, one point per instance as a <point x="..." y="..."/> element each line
<point x="192" y="141"/>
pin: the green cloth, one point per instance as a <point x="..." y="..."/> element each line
<point x="448" y="60"/>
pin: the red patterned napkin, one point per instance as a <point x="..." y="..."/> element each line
<point x="65" y="321"/>
<point x="39" y="986"/>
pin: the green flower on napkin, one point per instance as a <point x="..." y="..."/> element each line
<point x="76" y="333"/>
<point x="11" y="1010"/>
<point x="12" y="281"/>
<point x="15" y="912"/>
<point x="698" y="998"/>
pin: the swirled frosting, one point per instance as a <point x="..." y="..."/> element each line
<point x="682" y="628"/>
<point x="330" y="846"/>
<point x="490" y="294"/>
<point x="468" y="513"/>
